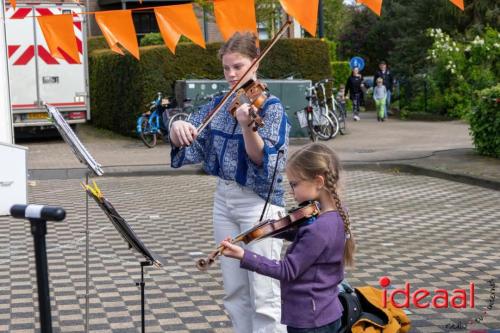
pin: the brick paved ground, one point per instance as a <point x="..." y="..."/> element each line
<point x="430" y="232"/>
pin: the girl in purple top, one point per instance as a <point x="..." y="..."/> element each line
<point x="313" y="265"/>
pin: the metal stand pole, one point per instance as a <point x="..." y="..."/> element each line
<point x="39" y="230"/>
<point x="142" y="284"/>
<point x="87" y="239"/>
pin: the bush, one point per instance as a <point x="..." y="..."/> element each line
<point x="340" y="72"/>
<point x="332" y="49"/>
<point x="96" y="43"/>
<point x="459" y="69"/>
<point x="121" y="86"/>
<point x="153" y="38"/>
<point x="485" y="122"/>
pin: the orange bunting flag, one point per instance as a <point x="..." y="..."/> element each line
<point x="178" y="20"/>
<point x="305" y="12"/>
<point x="235" y="15"/>
<point x="458" y="3"/>
<point x="118" y="28"/>
<point x="374" y="5"/>
<point x="60" y="36"/>
<point x="13" y="3"/>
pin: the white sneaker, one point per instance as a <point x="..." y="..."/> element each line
<point x="356" y="118"/>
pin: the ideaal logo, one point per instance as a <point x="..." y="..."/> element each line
<point x="439" y="298"/>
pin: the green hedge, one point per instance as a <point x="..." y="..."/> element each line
<point x="153" y="38"/>
<point x="121" y="86"/>
<point x="96" y="43"/>
<point x="485" y="122"/>
<point x="340" y="72"/>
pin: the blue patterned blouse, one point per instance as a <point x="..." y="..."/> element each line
<point x="221" y="148"/>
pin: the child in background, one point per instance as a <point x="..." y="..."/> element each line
<point x="341" y="99"/>
<point x="380" y="95"/>
<point x="313" y="265"/>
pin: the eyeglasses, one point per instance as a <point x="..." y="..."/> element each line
<point x="294" y="184"/>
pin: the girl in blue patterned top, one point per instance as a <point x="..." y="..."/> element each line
<point x="243" y="162"/>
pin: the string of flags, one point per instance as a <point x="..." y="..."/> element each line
<point x="175" y="21"/>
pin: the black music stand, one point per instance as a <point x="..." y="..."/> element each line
<point x="93" y="168"/>
<point x="129" y="236"/>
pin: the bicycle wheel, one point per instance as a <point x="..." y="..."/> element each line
<point x="147" y="136"/>
<point x="323" y="126"/>
<point x="175" y="117"/>
<point x="341" y="117"/>
<point x="310" y="128"/>
<point x="335" y="123"/>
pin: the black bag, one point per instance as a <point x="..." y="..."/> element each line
<point x="357" y="307"/>
<point x="352" y="308"/>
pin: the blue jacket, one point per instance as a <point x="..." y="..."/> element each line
<point x="221" y="148"/>
<point x="309" y="273"/>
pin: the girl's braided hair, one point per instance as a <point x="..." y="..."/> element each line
<point x="318" y="159"/>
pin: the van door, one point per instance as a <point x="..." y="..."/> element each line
<point x="21" y="53"/>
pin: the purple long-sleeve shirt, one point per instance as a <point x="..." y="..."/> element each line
<point x="309" y="273"/>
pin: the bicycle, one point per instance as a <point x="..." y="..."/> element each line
<point x="340" y="112"/>
<point x="332" y="114"/>
<point x="316" y="117"/>
<point x="151" y="124"/>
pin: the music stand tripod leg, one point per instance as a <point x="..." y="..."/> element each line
<point x="142" y="284"/>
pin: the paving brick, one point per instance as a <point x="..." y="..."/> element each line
<point x="430" y="232"/>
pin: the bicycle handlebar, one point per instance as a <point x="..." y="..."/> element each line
<point x="323" y="81"/>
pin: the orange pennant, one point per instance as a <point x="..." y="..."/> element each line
<point x="458" y="3"/>
<point x="13" y="3"/>
<point x="374" y="5"/>
<point x="59" y="35"/>
<point x="178" y="20"/>
<point x="235" y="15"/>
<point x="306" y="12"/>
<point x="118" y="28"/>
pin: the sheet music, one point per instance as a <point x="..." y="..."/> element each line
<point x="72" y="140"/>
<point x="123" y="228"/>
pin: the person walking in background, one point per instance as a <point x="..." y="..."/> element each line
<point x="353" y="88"/>
<point x="380" y="96"/>
<point x="386" y="75"/>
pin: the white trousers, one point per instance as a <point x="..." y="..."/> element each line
<point x="252" y="300"/>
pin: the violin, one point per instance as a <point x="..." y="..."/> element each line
<point x="267" y="228"/>
<point x="254" y="93"/>
<point x="243" y="81"/>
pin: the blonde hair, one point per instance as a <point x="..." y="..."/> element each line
<point x="380" y="80"/>
<point x="318" y="159"/>
<point x="243" y="43"/>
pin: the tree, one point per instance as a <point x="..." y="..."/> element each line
<point x="399" y="34"/>
<point x="335" y="15"/>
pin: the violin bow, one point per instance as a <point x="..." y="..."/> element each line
<point x="238" y="84"/>
<point x="271" y="188"/>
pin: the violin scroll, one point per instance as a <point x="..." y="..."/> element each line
<point x="204" y="264"/>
